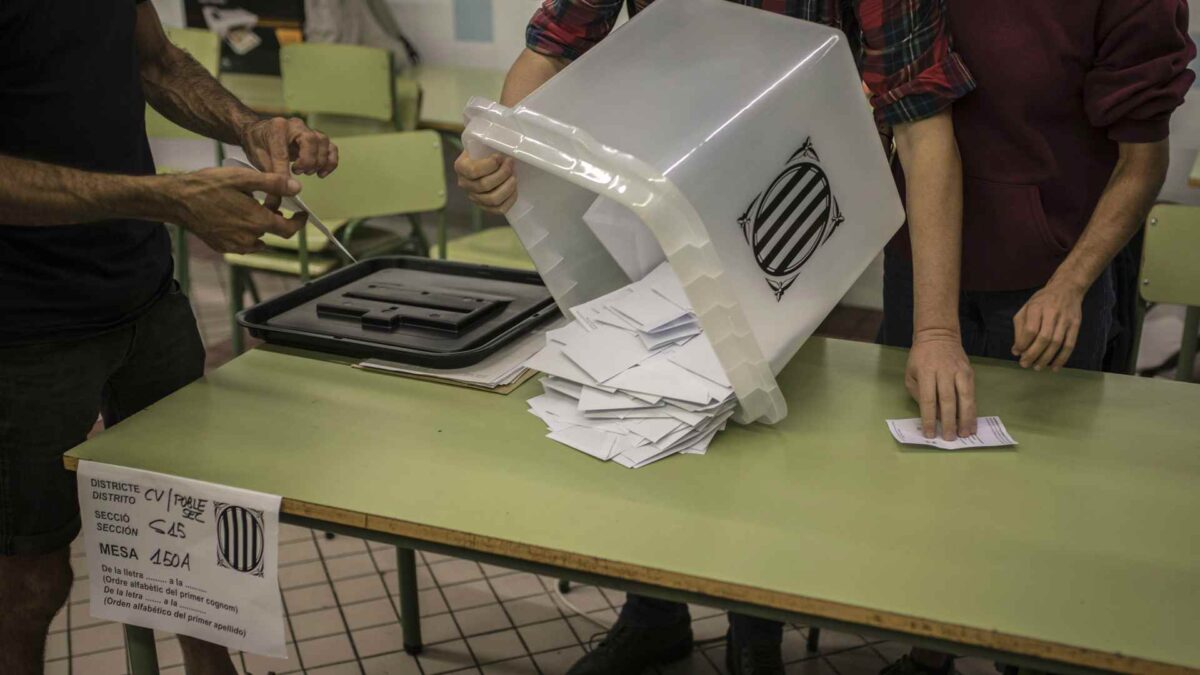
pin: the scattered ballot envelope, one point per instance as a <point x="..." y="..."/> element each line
<point x="733" y="144"/>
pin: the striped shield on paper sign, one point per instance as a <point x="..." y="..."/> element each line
<point x="241" y="538"/>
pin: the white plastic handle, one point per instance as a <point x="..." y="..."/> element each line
<point x="475" y="148"/>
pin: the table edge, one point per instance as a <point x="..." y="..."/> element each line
<point x="901" y="623"/>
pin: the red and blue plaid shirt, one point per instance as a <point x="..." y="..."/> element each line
<point x="901" y="46"/>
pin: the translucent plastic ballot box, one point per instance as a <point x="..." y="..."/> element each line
<point x="732" y="142"/>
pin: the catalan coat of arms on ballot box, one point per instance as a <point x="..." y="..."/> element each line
<point x="241" y="538"/>
<point x="785" y="224"/>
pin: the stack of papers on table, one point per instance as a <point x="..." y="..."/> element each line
<point x="500" y="372"/>
<point x="633" y="379"/>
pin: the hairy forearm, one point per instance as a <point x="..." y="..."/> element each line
<point x="933" y="175"/>
<point x="1131" y="191"/>
<point x="527" y="73"/>
<point x="36" y="193"/>
<point x="179" y="88"/>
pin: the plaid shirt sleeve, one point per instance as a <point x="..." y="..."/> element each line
<point x="568" y="28"/>
<point x="908" y="62"/>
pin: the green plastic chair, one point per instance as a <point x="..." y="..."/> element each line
<point x="205" y="47"/>
<point x="344" y="90"/>
<point x="496" y="246"/>
<point x="398" y="173"/>
<point x="1170" y="275"/>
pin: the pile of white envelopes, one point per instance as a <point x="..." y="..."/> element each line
<point x="633" y="379"/>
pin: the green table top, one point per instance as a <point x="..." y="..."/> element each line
<point x="445" y="91"/>
<point x="1081" y="544"/>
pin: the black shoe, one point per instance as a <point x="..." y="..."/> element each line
<point x="628" y="650"/>
<point x="906" y="665"/>
<point x="752" y="657"/>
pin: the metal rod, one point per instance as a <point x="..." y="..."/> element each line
<point x="140" y="650"/>
<point x="410" y="610"/>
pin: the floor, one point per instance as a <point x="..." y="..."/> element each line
<point x="341" y="598"/>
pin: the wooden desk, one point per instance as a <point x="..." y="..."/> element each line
<point x="1077" y="550"/>
<point x="445" y="91"/>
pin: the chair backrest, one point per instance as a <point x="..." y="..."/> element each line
<point x="205" y="47"/>
<point x="1172" y="245"/>
<point x="380" y="175"/>
<point x="337" y="79"/>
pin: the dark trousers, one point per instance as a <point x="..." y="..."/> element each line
<point x="645" y="612"/>
<point x="986" y="317"/>
<point x="50" y="396"/>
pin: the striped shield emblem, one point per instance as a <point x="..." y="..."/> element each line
<point x="241" y="538"/>
<point x="786" y="223"/>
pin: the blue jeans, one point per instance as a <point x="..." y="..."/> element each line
<point x="986" y="317"/>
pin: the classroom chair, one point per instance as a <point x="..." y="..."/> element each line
<point x="496" y="246"/>
<point x="397" y="173"/>
<point x="1169" y="274"/>
<point x="348" y="90"/>
<point x="205" y="47"/>
<point x="343" y="90"/>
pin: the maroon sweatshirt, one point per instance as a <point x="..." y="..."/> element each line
<point x="1059" y="83"/>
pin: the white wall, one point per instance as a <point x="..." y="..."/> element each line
<point x="430" y="26"/>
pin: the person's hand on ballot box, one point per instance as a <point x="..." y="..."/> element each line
<point x="488" y="182"/>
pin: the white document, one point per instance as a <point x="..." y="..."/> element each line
<point x="698" y="357"/>
<point x="989" y="434"/>
<point x="650" y="311"/>
<point x="660" y="377"/>
<point x="605" y="352"/>
<point x="297" y="205"/>
<point x="183" y="556"/>
<point x="594" y="442"/>
<point x="501" y="368"/>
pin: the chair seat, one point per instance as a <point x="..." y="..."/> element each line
<point x="496" y="246"/>
<point x="281" y="262"/>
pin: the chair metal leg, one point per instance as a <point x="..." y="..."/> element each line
<point x="410" y="610"/>
<point x="441" y="233"/>
<point x="235" y="306"/>
<point x="1187" y="346"/>
<point x="182" y="264"/>
<point x="814" y="639"/>
<point x="302" y="253"/>
<point x="248" y="280"/>
<point x="140" y="650"/>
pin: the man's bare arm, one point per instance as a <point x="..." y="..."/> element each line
<point x="215" y="204"/>
<point x="530" y="71"/>
<point x="490" y="182"/>
<point x="1047" y="326"/>
<point x="939" y="376"/>
<point x="177" y="86"/>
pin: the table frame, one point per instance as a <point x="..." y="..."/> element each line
<point x="143" y="658"/>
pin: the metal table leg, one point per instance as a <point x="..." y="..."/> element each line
<point x="141" y="651"/>
<point x="410" y="611"/>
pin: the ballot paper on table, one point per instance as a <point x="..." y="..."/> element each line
<point x="296" y="205"/>
<point x="989" y="434"/>
<point x="633" y="380"/>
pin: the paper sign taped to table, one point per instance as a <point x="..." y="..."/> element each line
<point x="183" y="556"/>
<point x="990" y="433"/>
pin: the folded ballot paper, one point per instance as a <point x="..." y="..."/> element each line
<point x="633" y="379"/>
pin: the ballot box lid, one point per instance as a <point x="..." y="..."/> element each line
<point x="432" y="313"/>
<point x="735" y="144"/>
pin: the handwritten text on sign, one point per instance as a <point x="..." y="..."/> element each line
<point x="183" y="556"/>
